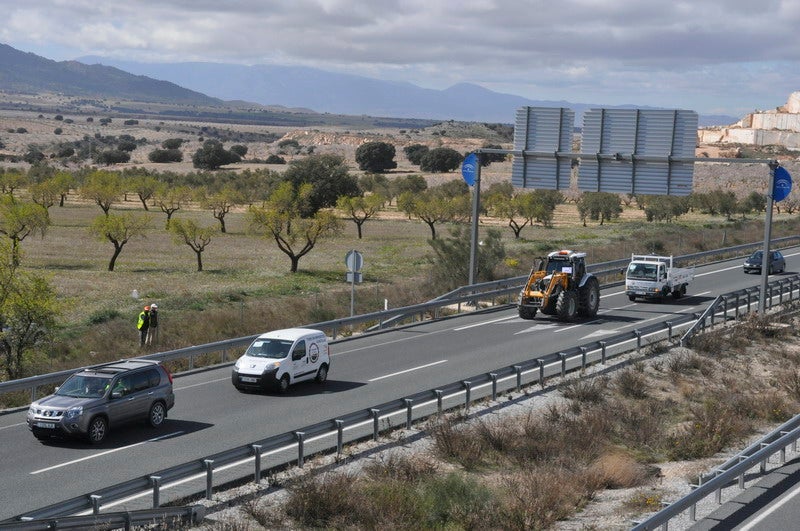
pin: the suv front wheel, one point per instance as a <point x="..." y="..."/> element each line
<point x="98" y="429"/>
<point x="157" y="415"/>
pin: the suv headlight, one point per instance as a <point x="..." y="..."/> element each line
<point x="74" y="412"/>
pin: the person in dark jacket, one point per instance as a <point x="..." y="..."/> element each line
<point x="152" y="330"/>
<point x="143" y="324"/>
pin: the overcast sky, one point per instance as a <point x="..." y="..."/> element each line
<point x="722" y="56"/>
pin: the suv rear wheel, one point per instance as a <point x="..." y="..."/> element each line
<point x="157" y="415"/>
<point x="98" y="429"/>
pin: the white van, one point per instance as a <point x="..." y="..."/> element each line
<point x="277" y="359"/>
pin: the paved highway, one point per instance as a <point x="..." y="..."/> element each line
<point x="210" y="415"/>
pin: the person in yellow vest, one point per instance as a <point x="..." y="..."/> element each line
<point x="152" y="330"/>
<point x="143" y="324"/>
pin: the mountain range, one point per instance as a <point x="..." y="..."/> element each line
<point x="217" y="84"/>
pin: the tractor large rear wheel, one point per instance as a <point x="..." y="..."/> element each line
<point x="567" y="305"/>
<point x="589" y="298"/>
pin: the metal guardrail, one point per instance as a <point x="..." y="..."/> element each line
<point x="293" y="447"/>
<point x="465" y="295"/>
<point x="732" y="470"/>
<point x="169" y="516"/>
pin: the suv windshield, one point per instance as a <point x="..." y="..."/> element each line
<point x="269" y="348"/>
<point x="80" y="386"/>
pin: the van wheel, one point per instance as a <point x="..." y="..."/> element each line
<point x="98" y="429"/>
<point x="283" y="384"/>
<point x="157" y="415"/>
<point x="322" y="374"/>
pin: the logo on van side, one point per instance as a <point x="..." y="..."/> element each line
<point x="313" y="352"/>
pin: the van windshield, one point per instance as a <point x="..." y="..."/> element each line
<point x="269" y="348"/>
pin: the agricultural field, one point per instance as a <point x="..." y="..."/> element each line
<point x="246" y="286"/>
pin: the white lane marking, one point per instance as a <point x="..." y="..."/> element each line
<point x="12" y="425"/>
<point x="599" y="333"/>
<point x="753" y="523"/>
<point x="104" y="453"/>
<point x="564" y="329"/>
<point x="485" y="323"/>
<point x="535" y="328"/>
<point x="398" y="340"/>
<point x="407" y="370"/>
<point x="202" y="383"/>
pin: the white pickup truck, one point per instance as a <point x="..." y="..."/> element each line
<point x="654" y="277"/>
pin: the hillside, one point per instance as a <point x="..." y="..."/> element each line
<point x="26" y="72"/>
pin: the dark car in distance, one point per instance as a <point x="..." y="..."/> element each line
<point x="777" y="263"/>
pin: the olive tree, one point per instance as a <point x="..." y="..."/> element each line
<point x="119" y="229"/>
<point x="193" y="235"/>
<point x="281" y="220"/>
<point x="28" y="311"/>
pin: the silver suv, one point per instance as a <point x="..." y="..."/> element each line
<point x="97" y="398"/>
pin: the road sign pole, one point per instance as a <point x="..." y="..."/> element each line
<point x="476" y="200"/>
<point x="765" y="256"/>
<point x="352" y="294"/>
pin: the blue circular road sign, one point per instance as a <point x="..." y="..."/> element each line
<point x="782" y="184"/>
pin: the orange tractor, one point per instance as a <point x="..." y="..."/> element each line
<point x="559" y="285"/>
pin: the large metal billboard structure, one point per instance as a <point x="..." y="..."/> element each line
<point x="541" y="133"/>
<point x="638" y="151"/>
<point x="635" y="151"/>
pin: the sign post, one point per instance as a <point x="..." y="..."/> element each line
<point x="471" y="171"/>
<point x="780" y="184"/>
<point x="354" y="262"/>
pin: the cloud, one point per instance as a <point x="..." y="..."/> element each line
<point x="634" y="51"/>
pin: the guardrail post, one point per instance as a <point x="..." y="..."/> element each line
<point x="741" y="478"/>
<point x="468" y="393"/>
<point x="95" y="501"/>
<point x="584" y="350"/>
<point x="209" y="464"/>
<point x="518" y="371"/>
<point x="33" y="394"/>
<point x="541" y="372"/>
<point x="603" y="352"/>
<point x="191" y="362"/>
<point x="339" y="436"/>
<point x="156" y="481"/>
<point x="375" y="423"/>
<point x="563" y="357"/>
<point x="748" y="300"/>
<point x="736" y="308"/>
<point x="780" y="291"/>
<point x="439" y="393"/>
<point x="725" y="308"/>
<point x="224" y="355"/>
<point x="762" y="466"/>
<point x="638" y="339"/>
<point x="409" y="405"/>
<point x="257" y="460"/>
<point x="493" y="376"/>
<point x="669" y="331"/>
<point x="300" y="448"/>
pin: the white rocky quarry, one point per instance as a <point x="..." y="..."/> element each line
<point x="780" y="126"/>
